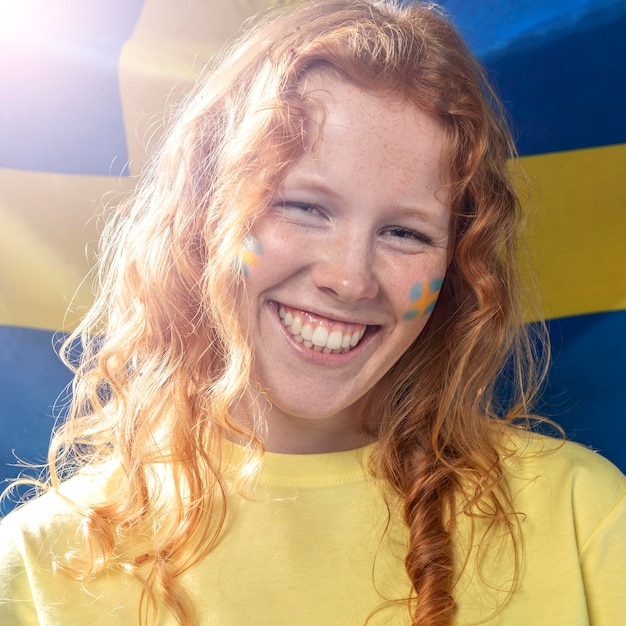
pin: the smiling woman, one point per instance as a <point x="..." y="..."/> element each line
<point x="350" y="231"/>
<point x="287" y="409"/>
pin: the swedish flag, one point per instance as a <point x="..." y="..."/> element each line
<point x="84" y="85"/>
<point x="559" y="69"/>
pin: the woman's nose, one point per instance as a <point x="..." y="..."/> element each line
<point x="345" y="268"/>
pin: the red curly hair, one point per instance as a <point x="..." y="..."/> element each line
<point x="162" y="349"/>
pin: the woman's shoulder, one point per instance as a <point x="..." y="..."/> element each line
<point x="57" y="512"/>
<point x="558" y="457"/>
<point x="565" y="478"/>
<point x="37" y="541"/>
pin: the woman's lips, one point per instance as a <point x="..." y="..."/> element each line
<point x="320" y="333"/>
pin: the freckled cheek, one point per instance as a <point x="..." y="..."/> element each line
<point x="266" y="260"/>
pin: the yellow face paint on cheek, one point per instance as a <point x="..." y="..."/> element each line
<point x="251" y="250"/>
<point x="423" y="297"/>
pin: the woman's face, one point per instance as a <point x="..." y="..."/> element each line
<point x="344" y="268"/>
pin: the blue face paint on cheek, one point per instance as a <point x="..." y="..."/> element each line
<point x="423" y="297"/>
<point x="251" y="250"/>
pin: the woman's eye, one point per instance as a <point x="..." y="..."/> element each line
<point x="305" y="212"/>
<point x="408" y="235"/>
<point x="305" y="207"/>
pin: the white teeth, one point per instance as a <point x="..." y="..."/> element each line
<point x="319" y="337"/>
<point x="356" y="337"/>
<point x="334" y="340"/>
<point x="296" y="325"/>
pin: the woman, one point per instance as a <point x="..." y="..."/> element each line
<point x="287" y="407"/>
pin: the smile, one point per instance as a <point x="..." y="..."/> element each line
<point x="319" y="333"/>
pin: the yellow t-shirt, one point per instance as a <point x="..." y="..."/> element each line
<point x="310" y="548"/>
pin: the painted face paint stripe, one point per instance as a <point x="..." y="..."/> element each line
<point x="423" y="299"/>
<point x="250" y="253"/>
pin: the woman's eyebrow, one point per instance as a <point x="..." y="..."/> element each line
<point x="308" y="184"/>
<point x="313" y="184"/>
<point x="420" y="212"/>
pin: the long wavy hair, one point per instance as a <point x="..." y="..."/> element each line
<point x="163" y="362"/>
